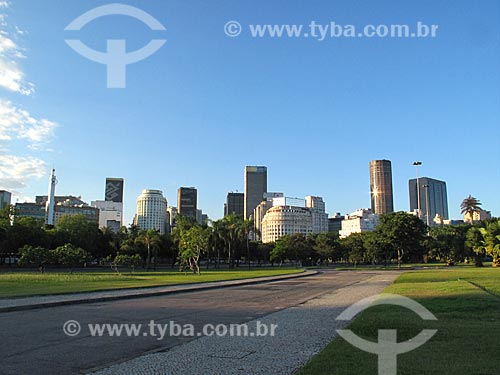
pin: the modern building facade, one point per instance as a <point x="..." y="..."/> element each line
<point x="114" y="190"/>
<point x="110" y="214"/>
<point x="382" y="200"/>
<point x="90" y="213"/>
<point x="319" y="217"/>
<point x="34" y="210"/>
<point x="362" y="220"/>
<point x="235" y="204"/>
<point x="151" y="211"/>
<point x="111" y="208"/>
<point x="335" y="223"/>
<point x="187" y="202"/>
<point x="285" y="220"/>
<point x="171" y="215"/>
<point x="5" y="199"/>
<point x="255" y="181"/>
<point x="433" y="198"/>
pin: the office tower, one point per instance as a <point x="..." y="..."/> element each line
<point x="255" y="187"/>
<point x="111" y="208"/>
<point x="114" y="190"/>
<point x="433" y="195"/>
<point x="235" y="204"/>
<point x="381" y="187"/>
<point x="320" y="218"/>
<point x="5" y="199"/>
<point x="187" y="202"/>
<point x="151" y="211"/>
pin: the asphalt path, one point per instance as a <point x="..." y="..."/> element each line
<point x="33" y="341"/>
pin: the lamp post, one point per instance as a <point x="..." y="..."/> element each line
<point x="427" y="204"/>
<point x="416" y="164"/>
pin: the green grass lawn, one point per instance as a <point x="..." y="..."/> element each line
<point x="18" y="284"/>
<point x="466" y="302"/>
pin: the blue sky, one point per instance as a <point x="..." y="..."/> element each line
<point x="205" y="105"/>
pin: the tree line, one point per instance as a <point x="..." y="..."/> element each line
<point x="399" y="238"/>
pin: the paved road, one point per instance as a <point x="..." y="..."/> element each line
<point x="34" y="342"/>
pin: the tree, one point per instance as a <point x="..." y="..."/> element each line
<point x="151" y="239"/>
<point x="469" y="206"/>
<point x="38" y="256"/>
<point x="474" y="241"/>
<point x="405" y="233"/>
<point x="79" y="231"/>
<point x="356" y="248"/>
<point x="193" y="243"/>
<point x="327" y="247"/>
<point x="125" y="260"/>
<point x="69" y="255"/>
<point x="246" y="227"/>
<point x="491" y="240"/>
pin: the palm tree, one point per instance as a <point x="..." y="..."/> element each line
<point x="151" y="239"/>
<point x="247" y="227"/>
<point x="231" y="231"/>
<point x="491" y="240"/>
<point x="470" y="205"/>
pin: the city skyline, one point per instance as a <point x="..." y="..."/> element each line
<point x="354" y="101"/>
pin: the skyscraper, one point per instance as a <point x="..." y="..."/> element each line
<point x="255" y="187"/>
<point x="381" y="187"/>
<point x="111" y="209"/>
<point x="432" y="192"/>
<point x="114" y="190"/>
<point x="151" y="211"/>
<point x="187" y="198"/>
<point x="5" y="198"/>
<point x="235" y="204"/>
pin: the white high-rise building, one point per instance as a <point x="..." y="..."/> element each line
<point x="362" y="220"/>
<point x="110" y="214"/>
<point x="285" y="220"/>
<point x="319" y="217"/>
<point x="151" y="211"/>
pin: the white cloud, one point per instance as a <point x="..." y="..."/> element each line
<point x="16" y="123"/>
<point x="11" y="75"/>
<point x="15" y="170"/>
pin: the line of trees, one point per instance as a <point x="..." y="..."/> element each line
<point x="399" y="238"/>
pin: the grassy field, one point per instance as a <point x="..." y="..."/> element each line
<point x="466" y="302"/>
<point x="19" y="284"/>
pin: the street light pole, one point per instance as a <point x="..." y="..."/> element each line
<point x="416" y="164"/>
<point x="427" y="204"/>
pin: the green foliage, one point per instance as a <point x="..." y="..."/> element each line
<point x="193" y="243"/>
<point x="69" y="255"/>
<point x="37" y="256"/>
<point x="129" y="261"/>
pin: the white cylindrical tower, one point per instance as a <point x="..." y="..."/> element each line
<point x="152" y="210"/>
<point x="51" y="202"/>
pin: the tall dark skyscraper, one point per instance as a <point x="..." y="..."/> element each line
<point x="187" y="198"/>
<point x="381" y="187"/>
<point x="235" y="204"/>
<point x="255" y="187"/>
<point x="432" y="191"/>
<point x="114" y="190"/>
